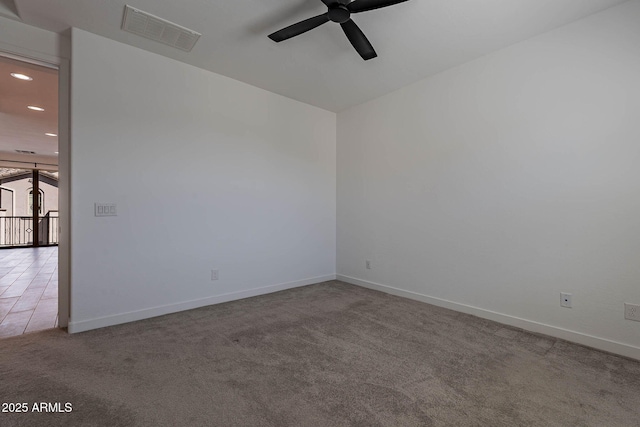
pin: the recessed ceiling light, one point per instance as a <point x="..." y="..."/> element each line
<point x="34" y="108"/>
<point x="51" y="134"/>
<point x="56" y="152"/>
<point x="21" y="76"/>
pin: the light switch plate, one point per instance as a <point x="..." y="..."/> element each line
<point x="106" y="209"/>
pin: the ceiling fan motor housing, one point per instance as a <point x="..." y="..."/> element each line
<point x="339" y="13"/>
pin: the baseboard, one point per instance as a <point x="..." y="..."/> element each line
<point x="132" y="316"/>
<point x="529" y="325"/>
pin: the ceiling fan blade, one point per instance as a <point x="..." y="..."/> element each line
<point x="330" y="3"/>
<point x="358" y="40"/>
<point x="365" y="5"/>
<point x="299" y="28"/>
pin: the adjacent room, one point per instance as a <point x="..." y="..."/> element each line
<point x="28" y="196"/>
<point x="331" y="212"/>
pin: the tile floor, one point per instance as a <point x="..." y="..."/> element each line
<point x="28" y="290"/>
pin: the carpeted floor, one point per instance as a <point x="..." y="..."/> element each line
<point x="330" y="354"/>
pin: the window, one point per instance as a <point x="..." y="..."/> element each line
<point x="40" y="201"/>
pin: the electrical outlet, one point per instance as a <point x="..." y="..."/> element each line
<point x="632" y="312"/>
<point x="367" y="264"/>
<point x="214" y="274"/>
<point x="565" y="300"/>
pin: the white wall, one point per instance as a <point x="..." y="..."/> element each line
<point x="207" y="172"/>
<point x="494" y="186"/>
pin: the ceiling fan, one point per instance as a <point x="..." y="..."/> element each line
<point x="339" y="12"/>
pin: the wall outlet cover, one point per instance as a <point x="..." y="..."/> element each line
<point x="565" y="300"/>
<point x="632" y="312"/>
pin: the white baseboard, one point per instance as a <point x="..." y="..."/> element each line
<point x="529" y="325"/>
<point x="132" y="316"/>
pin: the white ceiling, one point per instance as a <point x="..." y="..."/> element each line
<point x="21" y="128"/>
<point x="413" y="40"/>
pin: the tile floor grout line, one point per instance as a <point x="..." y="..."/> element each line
<point x="37" y="268"/>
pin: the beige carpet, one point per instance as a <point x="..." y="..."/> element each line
<point x="330" y="354"/>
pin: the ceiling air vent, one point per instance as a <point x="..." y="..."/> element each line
<point x="25" y="152"/>
<point x="146" y="25"/>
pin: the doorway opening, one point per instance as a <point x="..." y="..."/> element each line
<point x="29" y="220"/>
